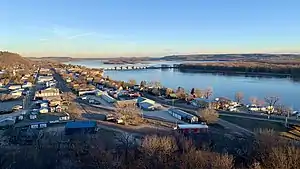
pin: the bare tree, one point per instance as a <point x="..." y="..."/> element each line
<point x="283" y="110"/>
<point x="158" y="152"/>
<point x="161" y="145"/>
<point x="125" y="142"/>
<point x="271" y="101"/>
<point x="239" y="96"/>
<point x="169" y="91"/>
<point x="220" y="161"/>
<point x="157" y="84"/>
<point x="198" y="93"/>
<point x="130" y="114"/>
<point x="180" y="93"/>
<point x="132" y="82"/>
<point x="254" y="100"/>
<point x="208" y="92"/>
<point x="143" y="83"/>
<point x="209" y="115"/>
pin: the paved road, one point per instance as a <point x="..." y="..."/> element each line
<point x="291" y="120"/>
<point x="262" y="119"/>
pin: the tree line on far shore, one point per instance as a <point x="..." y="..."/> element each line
<point x="292" y="69"/>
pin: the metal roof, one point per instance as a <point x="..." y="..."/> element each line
<point x="146" y="105"/>
<point x="81" y="124"/>
<point x="181" y="112"/>
<point x="192" y="126"/>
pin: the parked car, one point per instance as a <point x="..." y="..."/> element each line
<point x="17" y="107"/>
<point x="253" y="108"/>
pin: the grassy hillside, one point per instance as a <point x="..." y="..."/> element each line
<point x="8" y="59"/>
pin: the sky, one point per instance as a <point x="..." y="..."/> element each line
<point x="120" y="28"/>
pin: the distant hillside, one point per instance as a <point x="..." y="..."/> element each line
<point x="192" y="57"/>
<point x="8" y="59"/>
<point x="232" y="57"/>
<point x="58" y="59"/>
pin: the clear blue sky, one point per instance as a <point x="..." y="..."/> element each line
<point x="148" y="27"/>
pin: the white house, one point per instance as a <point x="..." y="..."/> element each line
<point x="14" y="87"/>
<point x="27" y="84"/>
<point x="32" y="116"/>
<point x="44" y="104"/>
<point x="47" y="92"/>
<point x="16" y="93"/>
<point x="45" y="78"/>
<point x="44" y="110"/>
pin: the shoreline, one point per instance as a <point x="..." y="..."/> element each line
<point x="235" y="73"/>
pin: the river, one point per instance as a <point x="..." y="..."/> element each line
<point x="223" y="85"/>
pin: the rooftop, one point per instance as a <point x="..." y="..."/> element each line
<point x="81" y="124"/>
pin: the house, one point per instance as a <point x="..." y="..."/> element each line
<point x="42" y="79"/>
<point x="89" y="79"/>
<point x="55" y="102"/>
<point x="86" y="92"/>
<point x="37" y="125"/>
<point x="144" y="100"/>
<point x="64" y="116"/>
<point x="27" y="85"/>
<point x="32" y="116"/>
<point x="44" y="70"/>
<point x="146" y="106"/>
<point x="50" y="84"/>
<point x="44" y="104"/>
<point x="44" y="110"/>
<point x="16" y="93"/>
<point x="47" y="92"/>
<point x="69" y="80"/>
<point x="14" y="87"/>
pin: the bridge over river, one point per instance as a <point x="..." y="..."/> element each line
<point x="132" y="67"/>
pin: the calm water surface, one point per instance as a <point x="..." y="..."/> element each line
<point x="287" y="89"/>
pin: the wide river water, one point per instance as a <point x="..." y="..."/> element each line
<point x="223" y="85"/>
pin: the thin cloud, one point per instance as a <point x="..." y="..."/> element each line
<point x="80" y="35"/>
<point x="43" y="39"/>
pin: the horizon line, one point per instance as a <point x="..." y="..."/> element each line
<point x="278" y="53"/>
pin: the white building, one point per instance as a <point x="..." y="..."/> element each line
<point x="42" y="79"/>
<point x="27" y="84"/>
<point x="47" y="92"/>
<point x="14" y="87"/>
<point x="16" y="93"/>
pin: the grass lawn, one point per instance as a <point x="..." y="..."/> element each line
<point x="253" y="125"/>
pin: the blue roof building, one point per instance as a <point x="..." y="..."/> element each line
<point x="81" y="127"/>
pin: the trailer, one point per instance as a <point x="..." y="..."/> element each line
<point x="191" y="128"/>
<point x="183" y="116"/>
